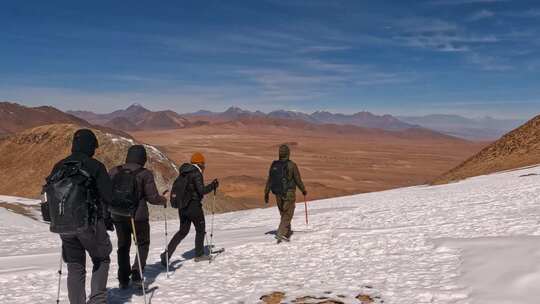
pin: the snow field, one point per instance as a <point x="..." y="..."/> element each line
<point x="413" y="245"/>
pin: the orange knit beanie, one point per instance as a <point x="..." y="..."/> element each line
<point x="197" y="158"/>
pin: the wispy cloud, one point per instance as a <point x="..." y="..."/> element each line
<point x="424" y="25"/>
<point x="307" y="3"/>
<point x="461" y="2"/>
<point x="438" y="35"/>
<point x="482" y="14"/>
<point x="531" y="13"/>
<point x="489" y="63"/>
<point x="309" y="79"/>
<point x="133" y="78"/>
<point x="323" y="49"/>
<point x="258" y="42"/>
<point x="533" y="66"/>
<point x="438" y="43"/>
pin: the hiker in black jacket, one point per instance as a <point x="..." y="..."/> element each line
<point x="193" y="212"/>
<point x="135" y="161"/>
<point x="95" y="240"/>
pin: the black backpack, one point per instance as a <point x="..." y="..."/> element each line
<point x="279" y="181"/>
<point x="71" y="201"/>
<point x="179" y="197"/>
<point x="126" y="192"/>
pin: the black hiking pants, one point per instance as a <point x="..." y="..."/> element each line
<point x="96" y="242"/>
<point x="124" y="232"/>
<point x="192" y="214"/>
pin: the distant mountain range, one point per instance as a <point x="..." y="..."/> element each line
<point x="137" y="117"/>
<point x="15" y="118"/>
<point x="361" y="119"/>
<point x="486" y="128"/>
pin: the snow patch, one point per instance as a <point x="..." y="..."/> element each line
<point x="499" y="269"/>
<point x="19" y="200"/>
<point x="116" y="139"/>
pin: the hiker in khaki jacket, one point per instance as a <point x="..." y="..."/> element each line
<point x="286" y="192"/>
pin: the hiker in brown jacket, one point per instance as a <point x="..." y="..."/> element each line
<point x="283" y="179"/>
<point x="135" y="161"/>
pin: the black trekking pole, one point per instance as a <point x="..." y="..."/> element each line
<point x="212" y="228"/>
<point x="138" y="258"/>
<point x="305" y="209"/>
<point x="166" y="236"/>
<point x="59" y="277"/>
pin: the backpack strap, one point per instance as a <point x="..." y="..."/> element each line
<point x="134" y="172"/>
<point x="141" y="190"/>
<point x="81" y="168"/>
<point x="290" y="181"/>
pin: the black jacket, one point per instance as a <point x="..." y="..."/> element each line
<point x="195" y="187"/>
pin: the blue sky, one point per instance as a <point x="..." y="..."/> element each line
<point x="468" y="57"/>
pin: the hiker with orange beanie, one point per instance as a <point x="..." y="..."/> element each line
<point x="187" y="194"/>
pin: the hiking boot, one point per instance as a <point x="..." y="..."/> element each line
<point x="281" y="238"/>
<point x="203" y="258"/>
<point x="123" y="285"/>
<point x="163" y="259"/>
<point x="137" y="284"/>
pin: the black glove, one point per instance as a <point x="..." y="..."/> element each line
<point x="266" y="198"/>
<point x="109" y="224"/>
<point x="164" y="198"/>
<point x="215" y="184"/>
<point x="304" y="192"/>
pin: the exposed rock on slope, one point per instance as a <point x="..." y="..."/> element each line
<point x="519" y="148"/>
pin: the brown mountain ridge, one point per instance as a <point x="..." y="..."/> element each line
<point x="15" y="117"/>
<point x="518" y="148"/>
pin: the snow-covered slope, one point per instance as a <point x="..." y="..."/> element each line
<point x="475" y="241"/>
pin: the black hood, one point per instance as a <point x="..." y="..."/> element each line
<point x="84" y="141"/>
<point x="187" y="168"/>
<point x="137" y="155"/>
<point x="284" y="152"/>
